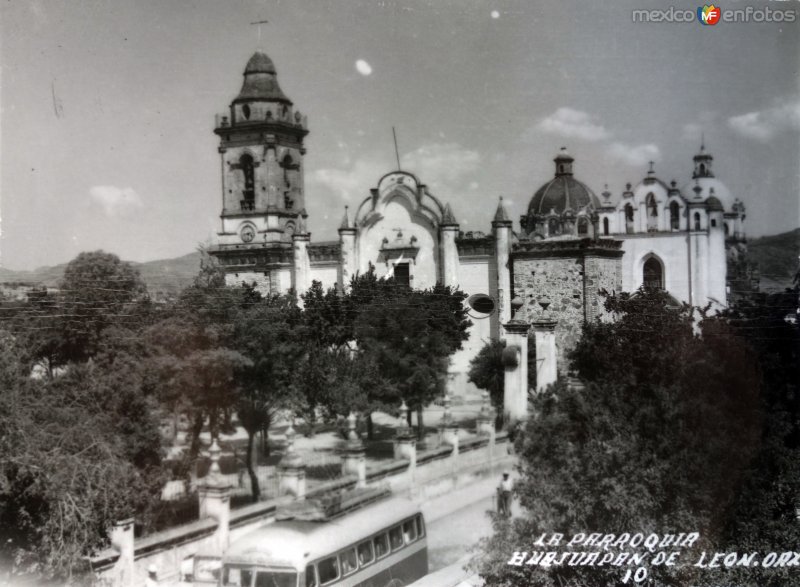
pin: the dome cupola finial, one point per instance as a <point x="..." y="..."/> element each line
<point x="563" y="161"/>
<point x="702" y="162"/>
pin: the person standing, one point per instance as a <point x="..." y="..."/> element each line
<point x="504" y="495"/>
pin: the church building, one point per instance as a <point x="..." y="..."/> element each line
<point x="570" y="246"/>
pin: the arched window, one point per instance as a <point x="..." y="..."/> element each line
<point x="727" y="230"/>
<point x="249" y="192"/>
<point x="552" y="227"/>
<point x="653" y="274"/>
<point x="246" y="111"/>
<point x="287" y="167"/>
<point x="652" y="206"/>
<point x="697" y="220"/>
<point x="583" y="226"/>
<point x="605" y="226"/>
<point x="652" y="212"/>
<point x="702" y="170"/>
<point x="674" y="215"/>
<point x="628" y="218"/>
<point x="561" y="169"/>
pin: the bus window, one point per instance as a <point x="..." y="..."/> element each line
<point x="409" y="531"/>
<point x="381" y="545"/>
<point x="328" y="570"/>
<point x="420" y="527"/>
<point x="275" y="579"/>
<point x="348" y="560"/>
<point x="235" y="577"/>
<point x="396" y="537"/>
<point x="311" y="576"/>
<point x="365" y="555"/>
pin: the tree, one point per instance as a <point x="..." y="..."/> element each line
<point x="198" y="370"/>
<point x="410" y="335"/>
<point x="96" y="291"/>
<point x="765" y="514"/>
<point x="265" y="333"/>
<point x="77" y="453"/>
<point x="487" y="372"/>
<point x="662" y="438"/>
<point x="39" y="331"/>
<point x="375" y="345"/>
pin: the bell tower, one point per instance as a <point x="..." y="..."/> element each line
<point x="702" y="163"/>
<point x="263" y="196"/>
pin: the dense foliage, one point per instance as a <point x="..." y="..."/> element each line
<point x="675" y="431"/>
<point x="80" y="445"/>
<point x="92" y="374"/>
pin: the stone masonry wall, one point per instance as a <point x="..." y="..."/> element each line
<point x="601" y="274"/>
<point x="560" y="280"/>
<point x="571" y="279"/>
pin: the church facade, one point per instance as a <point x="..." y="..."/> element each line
<point x="570" y="246"/>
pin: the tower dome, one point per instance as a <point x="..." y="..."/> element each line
<point x="261" y="81"/>
<point x="710" y="186"/>
<point x="563" y="192"/>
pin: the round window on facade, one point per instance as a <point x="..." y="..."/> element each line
<point x="482" y="304"/>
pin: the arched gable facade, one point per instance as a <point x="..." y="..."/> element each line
<point x="397" y="231"/>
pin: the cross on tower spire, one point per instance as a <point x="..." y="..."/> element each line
<point x="259" y="23"/>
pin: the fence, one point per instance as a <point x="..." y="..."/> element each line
<point x="431" y="473"/>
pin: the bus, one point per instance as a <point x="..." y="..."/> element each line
<point x="382" y="544"/>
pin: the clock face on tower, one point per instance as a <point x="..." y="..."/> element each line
<point x="248" y="234"/>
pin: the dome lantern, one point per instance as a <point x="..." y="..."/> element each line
<point x="261" y="82"/>
<point x="563" y="161"/>
<point x="702" y="163"/>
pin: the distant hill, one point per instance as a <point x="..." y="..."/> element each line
<point x="163" y="278"/>
<point x="776" y="257"/>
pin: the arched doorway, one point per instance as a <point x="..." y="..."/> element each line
<point x="653" y="273"/>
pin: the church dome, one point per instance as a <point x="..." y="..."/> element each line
<point x="260" y="63"/>
<point x="713" y="203"/>
<point x="710" y="187"/>
<point x="261" y="81"/>
<point x="563" y="192"/>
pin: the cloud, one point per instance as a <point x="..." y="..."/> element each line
<point x="634" y="155"/>
<point x="706" y="121"/>
<point x="441" y="165"/>
<point x="445" y="167"/>
<point x="114" y="200"/>
<point x="351" y="185"/>
<point x="576" y="124"/>
<point x="692" y="131"/>
<point x="764" y="125"/>
<point x="573" y="124"/>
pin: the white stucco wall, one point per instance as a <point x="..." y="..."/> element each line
<point x="474" y="277"/>
<point x="396" y="219"/>
<point x="326" y="274"/>
<point x="670" y="248"/>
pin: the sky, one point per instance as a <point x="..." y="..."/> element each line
<point x="107" y="109"/>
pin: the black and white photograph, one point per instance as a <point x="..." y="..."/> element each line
<point x="399" y="293"/>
